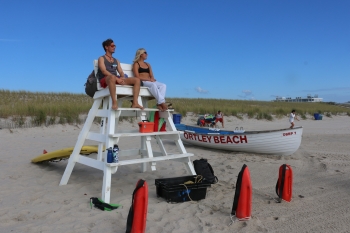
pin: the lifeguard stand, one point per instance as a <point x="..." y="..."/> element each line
<point x="109" y="135"/>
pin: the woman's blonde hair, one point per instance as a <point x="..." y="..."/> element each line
<point x="139" y="52"/>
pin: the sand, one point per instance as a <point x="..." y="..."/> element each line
<point x="31" y="199"/>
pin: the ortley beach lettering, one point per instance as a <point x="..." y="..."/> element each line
<point x="216" y="138"/>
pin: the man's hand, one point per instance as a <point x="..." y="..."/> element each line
<point x="121" y="81"/>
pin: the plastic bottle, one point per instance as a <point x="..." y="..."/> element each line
<point x="110" y="155"/>
<point x="115" y="153"/>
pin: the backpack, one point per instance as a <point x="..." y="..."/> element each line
<point x="202" y="167"/>
<point x="91" y="84"/>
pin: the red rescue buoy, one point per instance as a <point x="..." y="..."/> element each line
<point x="284" y="183"/>
<point x="137" y="216"/>
<point x="242" y="203"/>
<point x="156" y="121"/>
<point x="163" y="128"/>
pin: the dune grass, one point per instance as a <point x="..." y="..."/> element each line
<point x="254" y="109"/>
<point x="53" y="108"/>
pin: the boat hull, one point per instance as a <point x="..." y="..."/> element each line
<point x="277" y="142"/>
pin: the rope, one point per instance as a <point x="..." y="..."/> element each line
<point x="197" y="179"/>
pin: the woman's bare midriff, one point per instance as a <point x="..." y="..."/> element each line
<point x="145" y="77"/>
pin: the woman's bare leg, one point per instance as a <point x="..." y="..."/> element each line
<point x="136" y="91"/>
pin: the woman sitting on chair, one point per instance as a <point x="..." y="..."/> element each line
<point x="143" y="71"/>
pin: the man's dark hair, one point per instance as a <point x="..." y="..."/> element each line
<point x="293" y="110"/>
<point x="107" y="42"/>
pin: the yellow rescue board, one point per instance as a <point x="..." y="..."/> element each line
<point x="64" y="153"/>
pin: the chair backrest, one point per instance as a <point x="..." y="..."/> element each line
<point x="127" y="69"/>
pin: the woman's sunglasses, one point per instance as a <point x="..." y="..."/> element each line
<point x="145" y="52"/>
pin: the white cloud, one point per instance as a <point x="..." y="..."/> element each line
<point x="200" y="90"/>
<point x="247" y="92"/>
<point x="248" y="95"/>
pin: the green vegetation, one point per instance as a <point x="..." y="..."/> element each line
<point x="62" y="108"/>
<point x="254" y="109"/>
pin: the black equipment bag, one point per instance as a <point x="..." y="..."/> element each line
<point x="202" y="167"/>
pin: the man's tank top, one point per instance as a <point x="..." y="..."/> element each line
<point x="110" y="67"/>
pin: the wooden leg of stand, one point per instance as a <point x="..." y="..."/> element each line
<point x="80" y="142"/>
<point x="106" y="187"/>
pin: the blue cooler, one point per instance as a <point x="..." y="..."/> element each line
<point x="177" y="118"/>
<point x="316" y="116"/>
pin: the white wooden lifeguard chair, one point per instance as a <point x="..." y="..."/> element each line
<point x="107" y="137"/>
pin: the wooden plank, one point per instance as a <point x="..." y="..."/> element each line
<point x="145" y="160"/>
<point x="123" y="90"/>
<point x="137" y="134"/>
<point x="98" y="137"/>
<point x="91" y="162"/>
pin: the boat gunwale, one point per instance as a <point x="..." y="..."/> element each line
<point x="237" y="133"/>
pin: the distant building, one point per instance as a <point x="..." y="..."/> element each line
<point x="308" y="98"/>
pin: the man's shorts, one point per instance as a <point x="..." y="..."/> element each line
<point x="218" y="119"/>
<point x="103" y="81"/>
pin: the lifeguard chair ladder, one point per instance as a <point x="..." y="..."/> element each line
<point x="107" y="137"/>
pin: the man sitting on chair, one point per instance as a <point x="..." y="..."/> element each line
<point x="107" y="74"/>
<point x="219" y="117"/>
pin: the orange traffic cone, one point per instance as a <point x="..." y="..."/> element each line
<point x="242" y="203"/>
<point x="284" y="183"/>
<point x="44" y="151"/>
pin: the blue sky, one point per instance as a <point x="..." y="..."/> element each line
<point x="228" y="49"/>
